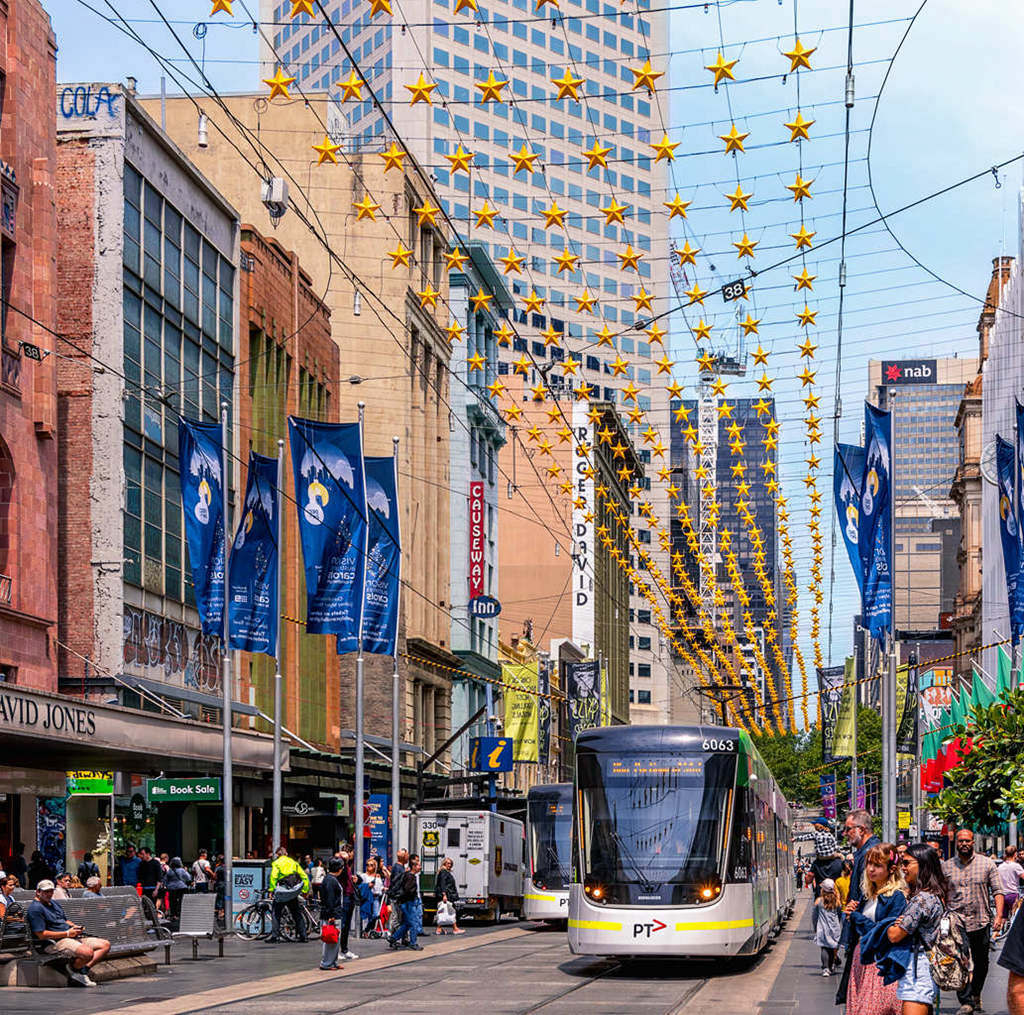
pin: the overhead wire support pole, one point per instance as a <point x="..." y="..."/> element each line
<point x="359" y="814"/>
<point x="396" y="785"/>
<point x="278" y="652"/>
<point x="228" y="794"/>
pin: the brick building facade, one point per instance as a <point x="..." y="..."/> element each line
<point x="288" y="365"/>
<point x="28" y="403"/>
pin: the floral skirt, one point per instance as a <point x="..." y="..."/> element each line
<point x="867" y="995"/>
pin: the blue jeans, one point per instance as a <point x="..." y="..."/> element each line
<point x="412" y="922"/>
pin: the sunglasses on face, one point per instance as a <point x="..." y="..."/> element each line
<point x="907" y="863"/>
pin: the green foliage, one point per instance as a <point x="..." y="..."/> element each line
<point x="988" y="784"/>
<point x="795" y="759"/>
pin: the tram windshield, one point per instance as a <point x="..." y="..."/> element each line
<point x="653" y="826"/>
<point x="550" y="817"/>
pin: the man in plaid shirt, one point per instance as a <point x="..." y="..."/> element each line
<point x="825" y="845"/>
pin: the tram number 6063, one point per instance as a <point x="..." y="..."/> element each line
<point x="719" y="745"/>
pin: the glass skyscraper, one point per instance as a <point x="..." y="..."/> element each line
<point x="588" y="39"/>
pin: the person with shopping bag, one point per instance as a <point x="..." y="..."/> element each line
<point x="446" y="892"/>
<point x="331" y="909"/>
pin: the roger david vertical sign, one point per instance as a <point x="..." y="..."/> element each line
<point x="582" y="532"/>
<point x="583" y="684"/>
<point x="476" y="539"/>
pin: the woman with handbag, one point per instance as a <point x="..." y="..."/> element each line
<point x="331" y="909"/>
<point x="447" y="895"/>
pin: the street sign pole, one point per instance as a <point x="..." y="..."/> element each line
<point x="229" y="844"/>
<point x="276" y="820"/>
<point x="396" y="785"/>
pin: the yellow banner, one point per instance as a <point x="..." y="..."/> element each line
<point x="521" y="712"/>
<point x="606" y="699"/>
<point x="845" y="745"/>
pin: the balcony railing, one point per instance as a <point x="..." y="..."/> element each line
<point x="6" y="586"/>
<point x="10" y="370"/>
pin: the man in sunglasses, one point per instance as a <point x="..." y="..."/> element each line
<point x="860" y="834"/>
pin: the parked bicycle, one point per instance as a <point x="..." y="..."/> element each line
<point x="256" y="921"/>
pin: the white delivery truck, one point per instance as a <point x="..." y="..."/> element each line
<point x="488" y="852"/>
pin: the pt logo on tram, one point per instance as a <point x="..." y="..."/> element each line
<point x="647" y="929"/>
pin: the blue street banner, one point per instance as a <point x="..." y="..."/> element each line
<point x="544" y="711"/>
<point x="490" y="754"/>
<point x="847" y="474"/>
<point x="330" y="488"/>
<point x="253" y="565"/>
<point x="379" y="821"/>
<point x="383" y="558"/>
<point x="828" y="795"/>
<point x="200" y="458"/>
<point x="874" y="537"/>
<point x="1017" y="609"/>
<point x="1009" y="530"/>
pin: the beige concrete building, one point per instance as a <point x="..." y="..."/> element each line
<point x="394" y="351"/>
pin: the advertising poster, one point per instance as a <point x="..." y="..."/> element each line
<point x="521" y="713"/>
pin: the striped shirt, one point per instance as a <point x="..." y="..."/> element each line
<point x="973" y="882"/>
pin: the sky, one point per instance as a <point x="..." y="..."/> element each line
<point x="955" y="86"/>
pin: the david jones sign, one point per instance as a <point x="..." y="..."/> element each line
<point x="52" y="716"/>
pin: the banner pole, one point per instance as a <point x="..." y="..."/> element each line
<point x="276" y="820"/>
<point x="357" y="797"/>
<point x="228" y="794"/>
<point x="396" y="775"/>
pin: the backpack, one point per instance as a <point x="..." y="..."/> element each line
<point x="950" y="956"/>
<point x="293" y="880"/>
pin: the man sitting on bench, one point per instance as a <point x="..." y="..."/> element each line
<point x="52" y="933"/>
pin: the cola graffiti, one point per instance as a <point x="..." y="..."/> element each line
<point x="168" y="650"/>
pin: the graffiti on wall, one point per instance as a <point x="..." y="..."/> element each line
<point x="168" y="650"/>
<point x="51" y="828"/>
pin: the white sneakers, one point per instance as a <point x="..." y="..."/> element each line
<point x="81" y="978"/>
<point x="350" y="956"/>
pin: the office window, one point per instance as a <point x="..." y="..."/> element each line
<point x="642" y="697"/>
<point x="644" y="670"/>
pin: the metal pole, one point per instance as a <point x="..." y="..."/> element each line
<point x="360" y="777"/>
<point x="396" y="784"/>
<point x="915" y="786"/>
<point x="275" y="835"/>
<point x="889" y="747"/>
<point x="856" y="707"/>
<point x="229" y="794"/>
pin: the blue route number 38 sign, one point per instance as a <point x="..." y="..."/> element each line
<point x="490" y="754"/>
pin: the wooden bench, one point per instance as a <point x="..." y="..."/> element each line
<point x="199" y="920"/>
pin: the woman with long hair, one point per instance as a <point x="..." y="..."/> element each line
<point x="884" y="900"/>
<point x="928" y="896"/>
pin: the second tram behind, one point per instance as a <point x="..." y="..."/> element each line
<point x="549" y="839"/>
<point x="682" y="844"/>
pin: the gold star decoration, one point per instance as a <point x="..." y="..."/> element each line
<point x="687" y="254"/>
<point x="642" y="298"/>
<point x="428" y="297"/>
<point x="568" y="86"/>
<point x="326" y="151"/>
<point x="351" y="88"/>
<point x="461" y="160"/>
<point x="393" y="158"/>
<point x="455" y="260"/>
<point x="400" y="257"/>
<point x="645" y="76"/>
<point x="722" y="69"/>
<point x="550" y="336"/>
<point x="734" y="140"/>
<point x="656" y="334"/>
<point x="807" y="348"/>
<point x="490" y="90"/>
<point x="702" y="330"/>
<point x="521" y="365"/>
<point x="420" y="91"/>
<point x="745" y="246"/>
<point x="464" y="5"/>
<point x="513" y="412"/>
<point x="504" y="335"/>
<point x="677" y="206"/>
<point x="738" y="199"/>
<point x="481" y="299"/>
<point x="585" y="302"/>
<point x="706" y="361"/>
<point x="798" y="56"/>
<point x="569" y="366"/>
<point x="798" y="128"/>
<point x="666" y="149"/>
<point x="455" y="331"/>
<point x="807" y="376"/>
<point x="597" y="156"/>
<point x="613" y="212"/>
<point x="618" y="366"/>
<point x="749" y="326"/>
<point x="513" y="261"/>
<point x="806" y="316"/>
<point x="605" y="337"/>
<point x="367" y="209"/>
<point x="380" y="7"/>
<point x="718" y="387"/>
<point x="497" y="389"/>
<point x="533" y="302"/>
<point x="222" y="6"/>
<point x="629" y="258"/>
<point x="697" y="294"/>
<point x="524" y="160"/>
<point x="302" y="7"/>
<point x="804" y="280"/>
<point x="278" y="84"/>
<point x="801" y="188"/>
<point x="554" y="216"/>
<point x="566" y="261"/>
<point x="485" y="216"/>
<point x="760" y="356"/>
<point x="427" y="213"/>
<point x="664" y="365"/>
<point x="476" y="362"/>
<point x="803" y="238"/>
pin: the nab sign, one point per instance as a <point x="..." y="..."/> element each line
<point x="490" y="754"/>
<point x="909" y="371"/>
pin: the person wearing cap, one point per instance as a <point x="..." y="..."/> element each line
<point x="52" y="932"/>
<point x="828" y="861"/>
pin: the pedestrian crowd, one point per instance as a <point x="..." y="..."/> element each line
<point x="910" y="923"/>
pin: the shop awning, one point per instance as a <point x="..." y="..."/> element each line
<point x="175" y="692"/>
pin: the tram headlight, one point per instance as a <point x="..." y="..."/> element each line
<point x="596" y="892"/>
<point x="710" y="890"/>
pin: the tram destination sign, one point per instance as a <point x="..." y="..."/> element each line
<point x="183" y="790"/>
